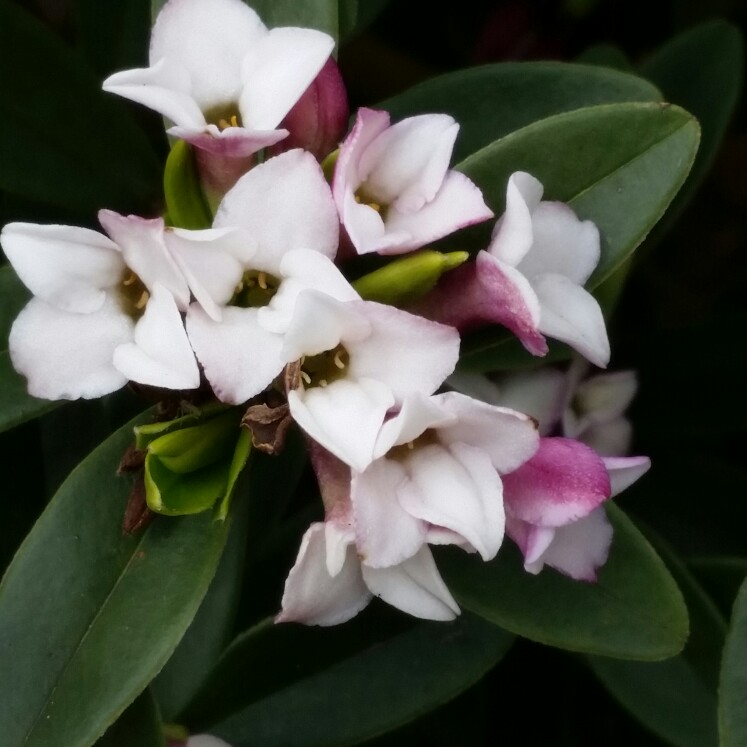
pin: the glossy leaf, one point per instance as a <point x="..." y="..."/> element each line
<point x="344" y="686"/>
<point x="492" y="101"/>
<point x="701" y="70"/>
<point x="185" y="201"/>
<point x="138" y="726"/>
<point x="89" y="615"/>
<point x="733" y="686"/>
<point x="675" y="698"/>
<point x="618" y="165"/>
<point x="634" y="611"/>
<point x="61" y="144"/>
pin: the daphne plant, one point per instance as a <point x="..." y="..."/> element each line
<point x="352" y="300"/>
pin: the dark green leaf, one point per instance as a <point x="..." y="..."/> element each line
<point x="343" y="688"/>
<point x="138" y="726"/>
<point x="70" y="145"/>
<point x="13" y="297"/>
<point x="16" y="404"/>
<point x="315" y="14"/>
<point x="618" y="165"/>
<point x="634" y="611"/>
<point x="676" y="698"/>
<point x="491" y="101"/>
<point x="733" y="688"/>
<point x="701" y="70"/>
<point x="89" y="615"/>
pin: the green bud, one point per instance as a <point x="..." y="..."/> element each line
<point x="329" y="163"/>
<point x="238" y="462"/>
<point x="186" y="204"/>
<point x="407" y="278"/>
<point x="145" y="434"/>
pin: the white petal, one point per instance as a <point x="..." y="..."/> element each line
<point x="571" y="314"/>
<point x="606" y="396"/>
<point x="339" y="535"/>
<point x="563" y="244"/>
<point x="406" y="164"/>
<point x="415" y="587"/>
<point x="165" y="88"/>
<point x="509" y="437"/>
<point x="160" y="355"/>
<point x="313" y="597"/>
<point x="70" y="268"/>
<point x="209" y="261"/>
<point x="209" y="41"/>
<point x="458" y="488"/>
<point x="344" y="417"/>
<point x="539" y="393"/>
<point x="513" y="234"/>
<point x="624" y="471"/>
<point x="386" y="533"/>
<point x="290" y="185"/>
<point x="301" y="269"/>
<point x="144" y="251"/>
<point x="579" y="549"/>
<point x="366" y="229"/>
<point x="239" y="357"/>
<point x="277" y="70"/>
<point x="406" y="352"/>
<point x="457" y="204"/>
<point x="609" y="439"/>
<point x="65" y="355"/>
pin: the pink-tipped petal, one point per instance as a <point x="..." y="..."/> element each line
<point x="232" y="142"/>
<point x="563" y="482"/>
<point x="457" y="204"/>
<point x="68" y="356"/>
<point x="508" y="437"/>
<point x="69" y="268"/>
<point x="277" y="69"/>
<point x="160" y="354"/>
<point x="624" y="471"/>
<point x="563" y="244"/>
<point x="459" y="489"/>
<point x="414" y="586"/>
<point x="313" y="597"/>
<point x="344" y="417"/>
<point x="239" y="357"/>
<point x="408" y="353"/>
<point x="572" y="315"/>
<point x="386" y="533"/>
<point x="290" y="185"/>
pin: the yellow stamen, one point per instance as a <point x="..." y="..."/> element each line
<point x="306" y="378"/>
<point x="322" y="382"/>
<point x="130" y="279"/>
<point x="262" y="280"/>
<point x="338" y="360"/>
<point x="144" y="296"/>
<point x="411" y="445"/>
<point x="375" y="206"/>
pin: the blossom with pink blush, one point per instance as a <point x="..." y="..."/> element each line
<point x="393" y="187"/>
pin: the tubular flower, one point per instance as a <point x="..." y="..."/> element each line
<point x="221" y="76"/>
<point x="531" y="277"/>
<point x="393" y="187"/>
<point x="106" y="311"/>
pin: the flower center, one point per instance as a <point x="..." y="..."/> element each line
<point x="363" y="198"/>
<point x="255" y="289"/>
<point x="400" y="453"/>
<point x="133" y="295"/>
<point x="224" y="116"/>
<point x="324" y="368"/>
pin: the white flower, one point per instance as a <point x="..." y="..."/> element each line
<point x="221" y="76"/>
<point x="393" y="187"/>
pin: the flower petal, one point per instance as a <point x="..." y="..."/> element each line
<point x="459" y="203"/>
<point x="65" y="355"/>
<point x="144" y="251"/>
<point x="459" y="489"/>
<point x="406" y="164"/>
<point x="564" y="481"/>
<point x="277" y="69"/>
<point x="609" y="439"/>
<point x="239" y="357"/>
<point x="600" y="399"/>
<point x="160" y="355"/>
<point x="209" y="41"/>
<point x="513" y="234"/>
<point x="408" y="353"/>
<point x="624" y="471"/>
<point x="232" y="142"/>
<point x="563" y="244"/>
<point x="344" y="417"/>
<point x="571" y="314"/>
<point x="69" y="268"/>
<point x="414" y="586"/>
<point x="205" y="740"/>
<point x="290" y="185"/>
<point x="313" y="597"/>
<point x="507" y="436"/>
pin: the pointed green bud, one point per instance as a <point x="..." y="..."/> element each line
<point x="238" y="462"/>
<point x="148" y="432"/>
<point x="329" y="163"/>
<point x="407" y="278"/>
<point x="186" y="204"/>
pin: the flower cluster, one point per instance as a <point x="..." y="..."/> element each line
<point x="261" y="303"/>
